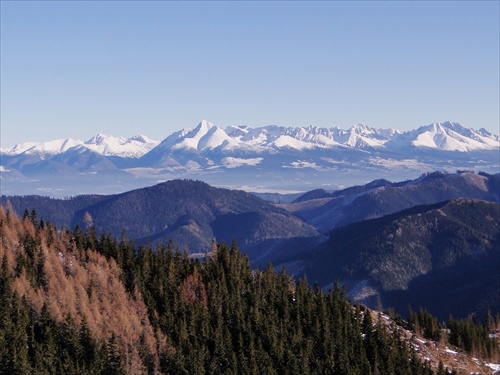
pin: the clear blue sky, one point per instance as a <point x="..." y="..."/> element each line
<point x="72" y="69"/>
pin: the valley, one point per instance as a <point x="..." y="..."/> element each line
<point x="384" y="241"/>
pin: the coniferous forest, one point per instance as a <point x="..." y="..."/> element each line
<point x="79" y="302"/>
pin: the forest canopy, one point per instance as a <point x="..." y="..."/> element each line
<point x="74" y="301"/>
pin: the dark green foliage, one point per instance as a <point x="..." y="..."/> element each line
<point x="454" y="244"/>
<point x="218" y="315"/>
<point x="32" y="343"/>
<point x="313" y="194"/>
<point x="59" y="211"/>
<point x="473" y="337"/>
<point x="190" y="212"/>
<point x="466" y="334"/>
<point x="114" y="361"/>
<point x="222" y="317"/>
<point x="423" y="323"/>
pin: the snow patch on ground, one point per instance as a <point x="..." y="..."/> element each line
<point x="231" y="162"/>
<point x="304" y="164"/>
<point x="494" y="366"/>
<point x="361" y="291"/>
<point x="401" y="164"/>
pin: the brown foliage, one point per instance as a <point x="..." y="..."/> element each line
<point x="80" y="284"/>
<point x="193" y="289"/>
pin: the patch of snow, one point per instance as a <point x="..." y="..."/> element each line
<point x="333" y="161"/>
<point x="300" y="164"/>
<point x="494" y="366"/>
<point x="361" y="291"/>
<point x="231" y="162"/>
<point x="192" y="165"/>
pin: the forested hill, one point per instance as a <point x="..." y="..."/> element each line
<point x="192" y="213"/>
<point x="444" y="256"/>
<point x="75" y="303"/>
<point x="325" y="211"/>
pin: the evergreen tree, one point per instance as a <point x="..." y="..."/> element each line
<point x="114" y="363"/>
<point x="215" y="315"/>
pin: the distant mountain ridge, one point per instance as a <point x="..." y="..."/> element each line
<point x="449" y="136"/>
<point x="269" y="158"/>
<point x="325" y="211"/>
<point x="192" y="213"/>
<point x="102" y="144"/>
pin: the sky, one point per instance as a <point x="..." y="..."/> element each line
<point x="75" y="69"/>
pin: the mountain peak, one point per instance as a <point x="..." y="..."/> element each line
<point x="452" y="136"/>
<point x="440" y="127"/>
<point x="360" y="128"/>
<point x="98" y="139"/>
<point x="206" y="125"/>
<point x="142" y="139"/>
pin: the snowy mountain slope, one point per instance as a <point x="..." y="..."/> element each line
<point x="452" y="137"/>
<point x="447" y="136"/>
<point x="208" y="145"/>
<point x="133" y="147"/>
<point x="102" y="144"/>
<point x="269" y="158"/>
<point x="49" y="148"/>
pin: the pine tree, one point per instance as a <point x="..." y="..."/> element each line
<point x="17" y="338"/>
<point x="114" y="364"/>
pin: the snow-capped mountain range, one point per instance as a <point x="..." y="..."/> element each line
<point x="270" y="150"/>
<point x="446" y="136"/>
<point x="101" y="143"/>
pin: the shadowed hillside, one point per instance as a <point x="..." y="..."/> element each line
<point x="444" y="257"/>
<point x="382" y="197"/>
<point x="192" y="213"/>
